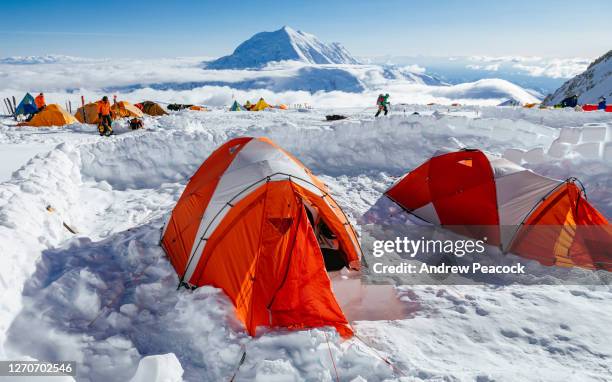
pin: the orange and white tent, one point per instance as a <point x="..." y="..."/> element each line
<point x="256" y="223"/>
<point x="124" y="109"/>
<point x="530" y="215"/>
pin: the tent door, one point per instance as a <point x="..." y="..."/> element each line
<point x="333" y="256"/>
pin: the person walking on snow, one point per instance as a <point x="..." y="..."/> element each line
<point x="105" y="120"/>
<point x="382" y="102"/>
<point x="602" y="103"/>
<point x="40" y="101"/>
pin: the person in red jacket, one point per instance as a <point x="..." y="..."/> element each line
<point x="40" y="101"/>
<point x="105" y="119"/>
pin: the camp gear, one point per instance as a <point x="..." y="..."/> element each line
<point x="480" y="195"/>
<point x="105" y="125"/>
<point x="335" y="117"/>
<point x="241" y="225"/>
<point x="570" y="101"/>
<point x="178" y="106"/>
<point x="136" y="124"/>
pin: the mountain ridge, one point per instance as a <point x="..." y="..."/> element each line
<point x="589" y="85"/>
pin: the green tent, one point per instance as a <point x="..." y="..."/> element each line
<point x="237" y="107"/>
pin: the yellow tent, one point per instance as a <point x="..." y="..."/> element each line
<point x="51" y="115"/>
<point x="125" y="109"/>
<point x="88" y="113"/>
<point x="260" y="105"/>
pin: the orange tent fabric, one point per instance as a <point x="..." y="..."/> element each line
<point x="249" y="222"/>
<point x="124" y="109"/>
<point x="479" y="195"/>
<point x="87" y="113"/>
<point x="51" y="115"/>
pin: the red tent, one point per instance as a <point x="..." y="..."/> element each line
<point x="256" y="223"/>
<point x="479" y="195"/>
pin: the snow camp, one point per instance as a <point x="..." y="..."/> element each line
<point x="306" y="191"/>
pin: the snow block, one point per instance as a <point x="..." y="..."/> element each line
<point x="559" y="149"/>
<point x="607" y="152"/>
<point x="159" y="368"/>
<point x="535" y="155"/>
<point x="588" y="150"/>
<point x="570" y="135"/>
<point x="594" y="134"/>
<point x="514" y="155"/>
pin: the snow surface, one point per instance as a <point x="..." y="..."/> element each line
<point x="593" y="83"/>
<point x="106" y="297"/>
<point x="285" y="44"/>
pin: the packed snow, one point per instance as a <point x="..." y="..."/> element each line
<point x="106" y="296"/>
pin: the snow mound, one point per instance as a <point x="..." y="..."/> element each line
<point x="285" y="44"/>
<point x="159" y="368"/>
<point x="589" y="85"/>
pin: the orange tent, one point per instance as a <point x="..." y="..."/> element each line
<point x="524" y="213"/>
<point x="123" y="109"/>
<point x="87" y="113"/>
<point x="256" y="223"/>
<point x="51" y="115"/>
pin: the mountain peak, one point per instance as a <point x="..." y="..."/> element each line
<point x="284" y="44"/>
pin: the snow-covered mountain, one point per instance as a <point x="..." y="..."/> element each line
<point x="285" y="44"/>
<point x="590" y="85"/>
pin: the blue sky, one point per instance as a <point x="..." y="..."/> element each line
<point x="156" y="28"/>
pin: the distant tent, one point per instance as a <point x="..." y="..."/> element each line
<point x="87" y="113"/>
<point x="197" y="108"/>
<point x="282" y="106"/>
<point x="530" y="105"/>
<point x="510" y="102"/>
<point x="260" y="105"/>
<point x="51" y="115"/>
<point x="236" y="107"/>
<point x="178" y="106"/>
<point x="151" y="108"/>
<point x="26" y="106"/>
<point x="570" y="101"/>
<point x="124" y="109"/>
